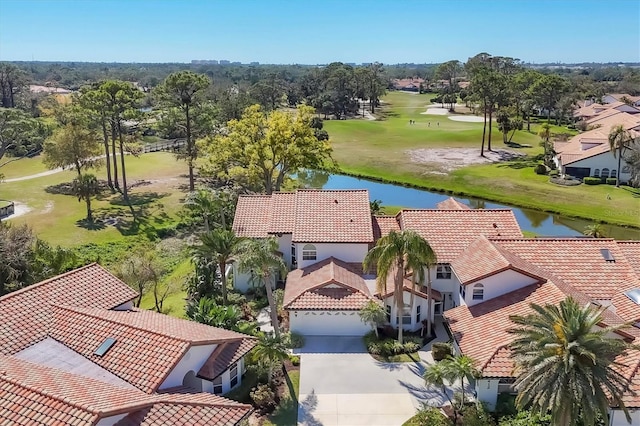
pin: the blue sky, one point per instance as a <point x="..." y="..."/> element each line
<point x="310" y="32"/>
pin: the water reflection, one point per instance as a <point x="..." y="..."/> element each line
<point x="536" y="221"/>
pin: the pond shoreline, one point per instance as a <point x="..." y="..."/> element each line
<point x="471" y="194"/>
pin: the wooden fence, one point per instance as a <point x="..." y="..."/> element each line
<point x="171" y="145"/>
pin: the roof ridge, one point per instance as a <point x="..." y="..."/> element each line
<point x="92" y="315"/>
<point x="48" y="280"/>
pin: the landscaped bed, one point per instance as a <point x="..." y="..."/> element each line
<point x="386" y="347"/>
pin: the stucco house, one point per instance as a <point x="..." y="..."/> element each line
<point x="96" y="359"/>
<point x="621" y="97"/>
<point x="505" y="275"/>
<point x="588" y="153"/>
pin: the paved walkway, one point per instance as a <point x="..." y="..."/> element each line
<point x="264" y="320"/>
<point x="341" y="384"/>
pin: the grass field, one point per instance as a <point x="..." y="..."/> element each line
<point x="58" y="218"/>
<point x="378" y="150"/>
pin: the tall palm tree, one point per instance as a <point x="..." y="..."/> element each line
<point x="222" y="245"/>
<point x="619" y="140"/>
<point x="397" y="253"/>
<point x="261" y="258"/>
<point x="203" y="204"/>
<point x="565" y="361"/>
<point x="270" y="349"/>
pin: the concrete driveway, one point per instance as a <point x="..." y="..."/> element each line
<point x="341" y="384"/>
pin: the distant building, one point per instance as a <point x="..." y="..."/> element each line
<point x="224" y="62"/>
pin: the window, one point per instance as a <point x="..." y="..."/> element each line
<point x="234" y="375"/>
<point x="406" y="317"/>
<point x="605" y="173"/>
<point x="444" y="272"/>
<point x="596" y="173"/>
<point x="614" y="173"/>
<point x="309" y="252"/>
<point x="389" y="313"/>
<point x="293" y="255"/>
<point x="463" y="291"/>
<point x="418" y="314"/>
<point x="478" y="292"/>
<point x="438" y="308"/>
<point x="217" y="385"/>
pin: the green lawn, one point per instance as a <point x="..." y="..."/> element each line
<point x="58" y="218"/>
<point x="286" y="414"/>
<point x="174" y="304"/>
<point x="378" y="150"/>
<point x="21" y="167"/>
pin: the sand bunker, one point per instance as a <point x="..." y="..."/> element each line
<point x="448" y="159"/>
<point x="436" y="111"/>
<point x="467" y="118"/>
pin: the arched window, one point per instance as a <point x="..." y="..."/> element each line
<point x="309" y="252"/>
<point x="478" y="292"/>
<point x="596" y="173"/>
<point x="605" y="173"/>
<point x="614" y="173"/>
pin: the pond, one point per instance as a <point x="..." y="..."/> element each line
<point x="538" y="222"/>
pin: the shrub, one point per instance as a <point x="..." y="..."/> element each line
<point x="441" y="350"/>
<point x="295" y="360"/>
<point x="541" y="169"/>
<point x="410" y="347"/>
<point x="591" y="181"/>
<point x="612" y="181"/>
<point x="263" y="398"/>
<point x="429" y="416"/>
<point x="554" y="173"/>
<point x="374" y="348"/>
<point x="293" y="340"/>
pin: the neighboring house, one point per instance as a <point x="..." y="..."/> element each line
<point x="503" y="276"/>
<point x="593" y="110"/>
<point x="81" y="328"/>
<point x="408" y="84"/>
<point x="589" y="154"/>
<point x="621" y="97"/>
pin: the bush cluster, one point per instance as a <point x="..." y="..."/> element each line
<point x="263" y="397"/>
<point x="591" y="181"/>
<point x="293" y="340"/>
<point x="387" y="347"/>
<point x="612" y="181"/>
<point x="295" y="360"/>
<point x="441" y="350"/>
<point x="541" y="169"/>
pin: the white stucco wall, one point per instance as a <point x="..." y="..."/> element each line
<point x="617" y="418"/>
<point x="242" y="280"/>
<point x="327" y="323"/>
<point x="606" y="160"/>
<point x="417" y="301"/>
<point x="284" y="245"/>
<point x="487" y="392"/>
<point x="446" y="286"/>
<point x="194" y="359"/>
<point x="344" y="251"/>
<point x="497" y="285"/>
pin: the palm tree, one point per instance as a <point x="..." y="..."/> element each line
<point x="203" y="204"/>
<point x="86" y="186"/>
<point x="460" y="368"/>
<point x="261" y="258"/>
<point x="545" y="135"/>
<point x="619" y="140"/>
<point x="270" y="349"/>
<point x="373" y="314"/>
<point x="222" y="245"/>
<point x="396" y="253"/>
<point x="435" y="375"/>
<point x="595" y="231"/>
<point x="564" y="363"/>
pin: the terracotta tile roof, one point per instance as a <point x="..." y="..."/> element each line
<point x="382" y="225"/>
<point x="449" y="232"/>
<point x="631" y="250"/>
<point x="26" y="314"/>
<point x="311" y="215"/>
<point x="481" y="330"/>
<point x="452" y="204"/>
<point x="482" y="259"/>
<point x="32" y="393"/>
<point x="333" y="216"/>
<point x="328" y="284"/>
<point x="283" y="213"/>
<point x="630" y="368"/>
<point x="148" y="344"/>
<point x="576" y="261"/>
<point x="252" y="216"/>
<point x="225" y="355"/>
<point x="500" y="364"/>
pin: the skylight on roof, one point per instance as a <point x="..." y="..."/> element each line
<point x="607" y="255"/>
<point x="105" y="346"/>
<point x="634" y="295"/>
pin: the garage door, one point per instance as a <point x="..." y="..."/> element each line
<point x="327" y="323"/>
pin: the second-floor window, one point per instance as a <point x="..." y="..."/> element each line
<point x="478" y="292"/>
<point x="233" y="374"/>
<point x="309" y="252"/>
<point x="443" y="272"/>
<point x="217" y="385"/>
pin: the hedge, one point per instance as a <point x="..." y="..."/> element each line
<point x="612" y="181"/>
<point x="591" y="181"/>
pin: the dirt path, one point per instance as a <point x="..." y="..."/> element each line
<point x="37" y="175"/>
